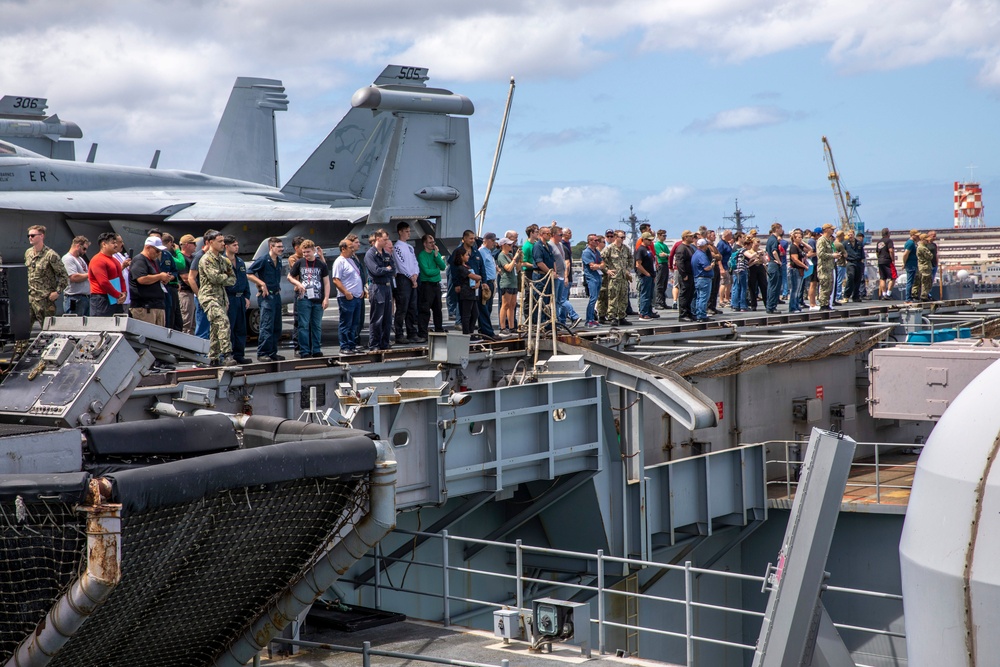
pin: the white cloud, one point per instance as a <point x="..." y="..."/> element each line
<point x="590" y="199"/>
<point x="159" y="71"/>
<point x="741" y="118"/>
<point x="665" y="197"/>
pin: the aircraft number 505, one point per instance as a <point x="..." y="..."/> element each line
<point x="26" y="102"/>
<point x="409" y="73"/>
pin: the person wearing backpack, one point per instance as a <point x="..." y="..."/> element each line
<point x="738" y="269"/>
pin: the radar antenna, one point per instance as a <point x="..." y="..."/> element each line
<point x="633" y="223"/>
<point x="738" y="217"/>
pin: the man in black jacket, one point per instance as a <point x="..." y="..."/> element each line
<point x="855" y="266"/>
<point x="682" y="262"/>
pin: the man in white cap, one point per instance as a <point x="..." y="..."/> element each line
<point x="147" y="284"/>
<point x="703" y="267"/>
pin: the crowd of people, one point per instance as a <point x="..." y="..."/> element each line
<point x="816" y="269"/>
<point x="207" y="291"/>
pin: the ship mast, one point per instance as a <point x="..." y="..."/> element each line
<point x="633" y="223"/>
<point x="737" y="218"/>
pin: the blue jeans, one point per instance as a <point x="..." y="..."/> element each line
<point x="350" y="313"/>
<point x="702" y="288"/>
<point x="738" y="299"/>
<point x="310" y="317"/>
<point x="564" y="311"/>
<point x="201" y="328"/>
<point x="270" y="324"/>
<point x="594" y="286"/>
<point x="773" y="286"/>
<point x="794" y="291"/>
<point x="784" y="281"/>
<point x="77" y="304"/>
<point x="839" y="276"/>
<point x="485" y="310"/>
<point x="646" y="284"/>
<point x="911" y="274"/>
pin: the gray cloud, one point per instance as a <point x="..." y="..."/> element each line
<point x="535" y="141"/>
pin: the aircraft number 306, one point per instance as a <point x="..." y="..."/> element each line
<point x="26" y="102"/>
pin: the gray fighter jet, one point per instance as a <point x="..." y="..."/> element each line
<point x="401" y="152"/>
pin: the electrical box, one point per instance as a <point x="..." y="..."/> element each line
<point x="507" y="624"/>
<point x="449" y="348"/>
<point x="843" y="411"/>
<point x="809" y="410"/>
<point x="561" y="621"/>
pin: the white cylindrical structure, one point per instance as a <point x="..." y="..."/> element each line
<point x="950" y="546"/>
<point x="421" y="100"/>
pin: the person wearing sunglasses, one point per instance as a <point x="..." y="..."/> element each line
<point x="47" y="277"/>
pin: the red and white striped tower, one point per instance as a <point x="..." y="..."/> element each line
<point x="969" y="205"/>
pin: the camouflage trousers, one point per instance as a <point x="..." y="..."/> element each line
<point x="617" y="298"/>
<point x="602" y="297"/>
<point x="825" y="286"/>
<point x="925" y="283"/>
<point x="219" y="342"/>
<point x="40" y="309"/>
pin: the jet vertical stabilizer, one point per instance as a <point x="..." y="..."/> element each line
<point x="427" y="173"/>
<point x="23" y="122"/>
<point x="345" y="168"/>
<point x="245" y="143"/>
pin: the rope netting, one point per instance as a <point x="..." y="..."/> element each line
<point x="42" y="550"/>
<point x="194" y="575"/>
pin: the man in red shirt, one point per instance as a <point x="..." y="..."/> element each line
<point x="107" y="287"/>
<point x="674" y="275"/>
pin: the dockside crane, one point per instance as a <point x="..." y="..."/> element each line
<point x="847" y="206"/>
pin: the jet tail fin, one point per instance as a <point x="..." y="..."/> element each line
<point x="408" y="154"/>
<point x="245" y="143"/>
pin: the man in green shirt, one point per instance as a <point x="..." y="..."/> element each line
<point x="662" y="253"/>
<point x="431" y="265"/>
<point x="527" y="266"/>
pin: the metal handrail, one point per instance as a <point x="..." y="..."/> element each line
<point x="789" y="482"/>
<point x="600" y="590"/>
<point x="366" y="652"/>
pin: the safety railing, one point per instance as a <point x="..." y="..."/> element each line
<point x="861" y="470"/>
<point x="602" y="565"/>
<point x="366" y="652"/>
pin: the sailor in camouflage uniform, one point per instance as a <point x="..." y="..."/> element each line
<point x="925" y="267"/>
<point x="825" y="256"/>
<point x="47" y="276"/>
<point x="215" y="274"/>
<point x="618" y="260"/>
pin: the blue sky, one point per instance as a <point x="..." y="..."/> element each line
<point x="676" y="108"/>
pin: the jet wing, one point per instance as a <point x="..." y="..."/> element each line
<point x="179" y="205"/>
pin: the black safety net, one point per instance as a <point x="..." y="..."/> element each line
<point x="208" y="544"/>
<point x="42" y="548"/>
<point x="194" y="575"/>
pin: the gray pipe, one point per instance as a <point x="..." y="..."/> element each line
<point x="380" y="519"/>
<point x="87" y="593"/>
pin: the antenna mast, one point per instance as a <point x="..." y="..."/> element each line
<point x="737" y="217"/>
